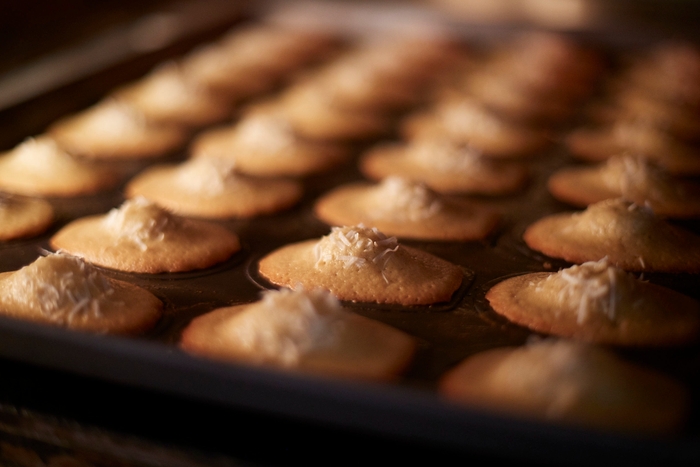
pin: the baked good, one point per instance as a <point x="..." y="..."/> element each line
<point x="406" y="209"/>
<point x="111" y="129"/>
<point x="301" y="330"/>
<point x="360" y="264"/>
<point x="39" y="167"/>
<point x="464" y="121"/>
<point x="167" y="96"/>
<point x="631" y="236"/>
<point x="62" y="290"/>
<point x="599" y="303"/>
<point x="264" y="143"/>
<point x="23" y="217"/>
<point x="444" y="166"/>
<point x="632" y="178"/>
<point x="210" y="188"/>
<point x="141" y="237"/>
<point x="636" y="137"/>
<point x="570" y="383"/>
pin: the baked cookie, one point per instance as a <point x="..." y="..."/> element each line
<point x="39" y="167"/>
<point x="598" y="303"/>
<point x="264" y="143"/>
<point x="570" y="383"/>
<point x="301" y="330"/>
<point x="63" y="290"/>
<point x="23" y="217"/>
<point x="444" y="166"/>
<point x="632" y="237"/>
<point x="141" y="237"/>
<point x="361" y="264"/>
<point x="464" y="121"/>
<point x="597" y="144"/>
<point x="406" y="209"/>
<point x="210" y="188"/>
<point x="166" y="96"/>
<point x="114" y="130"/>
<point x="632" y="178"/>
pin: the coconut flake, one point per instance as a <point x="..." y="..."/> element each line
<point x="266" y="132"/>
<point x="206" y="176"/>
<point x="356" y="247"/>
<point x="139" y="221"/>
<point x="401" y="199"/>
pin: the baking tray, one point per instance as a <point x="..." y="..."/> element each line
<point x="133" y="372"/>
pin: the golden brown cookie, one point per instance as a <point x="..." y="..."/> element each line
<point x="632" y="178"/>
<point x="113" y="130"/>
<point x="301" y="330"/>
<point x="598" y="303"/>
<point x="39" y="167"/>
<point x="464" y="121"/>
<point x="141" y="237"/>
<point x="637" y="138"/>
<point x="210" y="188"/>
<point x="63" y="290"/>
<point x="166" y="96"/>
<point x="444" y="166"/>
<point x="632" y="237"/>
<point x="361" y="264"/>
<point x="23" y="217"/>
<point x="406" y="209"/>
<point x="570" y="383"/>
<point x="264" y="143"/>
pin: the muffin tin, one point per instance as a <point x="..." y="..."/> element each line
<point x="410" y="409"/>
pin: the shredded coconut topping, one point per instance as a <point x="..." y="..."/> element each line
<point x="287" y="324"/>
<point x="638" y="179"/>
<point x="205" y="175"/>
<point x="63" y="287"/>
<point x="170" y="88"/>
<point x="356" y="247"/>
<point x="269" y="133"/>
<point x="139" y="221"/>
<point x="467" y="116"/>
<point x="446" y="156"/>
<point x="592" y="287"/>
<point x="114" y="119"/>
<point x="39" y="154"/>
<point x="401" y="199"/>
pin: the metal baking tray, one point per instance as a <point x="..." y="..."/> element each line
<point x="200" y="394"/>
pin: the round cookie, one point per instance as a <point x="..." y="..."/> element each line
<point x="632" y="238"/>
<point x="629" y="177"/>
<point x="167" y="97"/>
<point x="39" y="167"/>
<point x="598" y="303"/>
<point x="113" y="130"/>
<point x="141" y="237"/>
<point x="445" y="167"/>
<point x="361" y="264"/>
<point x="23" y="217"/>
<point x="464" y="121"/>
<point x="405" y="209"/>
<point x="211" y="189"/>
<point x="570" y="383"/>
<point x="263" y="143"/>
<point x="63" y="290"/>
<point x="301" y="330"/>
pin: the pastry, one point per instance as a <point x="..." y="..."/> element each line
<point x="632" y="237"/>
<point x="361" y="264"/>
<point x="598" y="303"/>
<point x="264" y="143"/>
<point x="114" y="130"/>
<point x="23" y="217"/>
<point x="632" y="178"/>
<point x="406" y="209"/>
<point x="166" y="96"/>
<point x="570" y="383"/>
<point x="64" y="291"/>
<point x="141" y="237"/>
<point x="210" y="188"/>
<point x="39" y="167"/>
<point x="301" y="330"/>
<point x="444" y="166"/>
